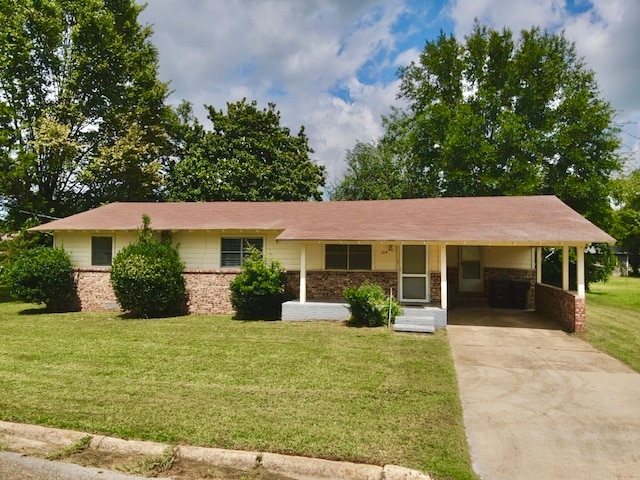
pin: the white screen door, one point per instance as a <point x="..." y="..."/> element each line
<point x="414" y="276"/>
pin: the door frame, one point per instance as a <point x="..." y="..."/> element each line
<point x="426" y="275"/>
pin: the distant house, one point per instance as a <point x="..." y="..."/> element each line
<point x="436" y="252"/>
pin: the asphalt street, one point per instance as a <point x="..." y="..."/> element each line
<point x="14" y="466"/>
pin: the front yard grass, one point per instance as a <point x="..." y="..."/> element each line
<point x="613" y="319"/>
<point x="315" y="389"/>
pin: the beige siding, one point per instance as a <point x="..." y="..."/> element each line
<point x="78" y="244"/>
<point x="508" y="257"/>
<point x="198" y="250"/>
<point x="434" y="258"/>
<point x="315" y="256"/>
<point x="384" y="258"/>
<point x="287" y="253"/>
<point x="497" y="257"/>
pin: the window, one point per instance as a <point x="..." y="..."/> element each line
<point x="347" y="257"/>
<point x="101" y="251"/>
<point x="234" y="249"/>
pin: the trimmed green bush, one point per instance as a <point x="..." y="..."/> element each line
<point x="43" y="275"/>
<point x="259" y="289"/>
<point x="147" y="277"/>
<point x="369" y="306"/>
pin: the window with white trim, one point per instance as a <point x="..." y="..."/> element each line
<point x="101" y="251"/>
<point x="233" y="250"/>
<point x="347" y="257"/>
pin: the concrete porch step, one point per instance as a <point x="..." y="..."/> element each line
<point x="414" y="323"/>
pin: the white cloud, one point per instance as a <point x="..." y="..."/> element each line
<point x="289" y="52"/>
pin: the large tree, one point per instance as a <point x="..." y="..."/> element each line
<point x="247" y="156"/>
<point x="82" y="111"/>
<point x="627" y="225"/>
<point x="494" y="115"/>
<point x="373" y="173"/>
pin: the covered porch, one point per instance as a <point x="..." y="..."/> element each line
<point x="565" y="307"/>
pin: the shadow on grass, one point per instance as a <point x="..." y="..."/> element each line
<point x="5" y="296"/>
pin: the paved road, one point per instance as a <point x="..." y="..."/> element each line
<point x="541" y="404"/>
<point x="14" y="466"/>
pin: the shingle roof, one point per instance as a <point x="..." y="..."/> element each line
<point x="531" y="220"/>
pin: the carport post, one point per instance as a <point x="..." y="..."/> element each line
<point x="580" y="270"/>
<point x="443" y="277"/>
<point x="565" y="268"/>
<point x="539" y="265"/>
<point x="303" y="273"/>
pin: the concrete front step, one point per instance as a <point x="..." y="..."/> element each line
<point x="422" y="323"/>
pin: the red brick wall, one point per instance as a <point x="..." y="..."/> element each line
<point x="565" y="307"/>
<point x="330" y="285"/>
<point x="94" y="290"/>
<point x="208" y="291"/>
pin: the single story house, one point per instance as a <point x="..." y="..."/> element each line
<point x="433" y="252"/>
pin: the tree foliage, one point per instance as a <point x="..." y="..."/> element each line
<point x="147" y="276"/>
<point x="627" y="221"/>
<point x="82" y="112"/>
<point x="494" y="115"/>
<point x="43" y="275"/>
<point x="247" y="156"/>
<point x="259" y="289"/>
<point x="373" y="173"/>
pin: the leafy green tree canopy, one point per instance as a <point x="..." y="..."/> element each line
<point x="627" y="220"/>
<point x="373" y="173"/>
<point x="82" y="112"/>
<point x="494" y="115"/>
<point x="247" y="156"/>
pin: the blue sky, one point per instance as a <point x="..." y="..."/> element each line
<point x="331" y="65"/>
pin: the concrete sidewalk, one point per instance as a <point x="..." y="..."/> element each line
<point x="24" y="438"/>
<point x="539" y="403"/>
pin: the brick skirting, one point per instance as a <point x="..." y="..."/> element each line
<point x="565" y="307"/>
<point x="330" y="285"/>
<point x="207" y="291"/>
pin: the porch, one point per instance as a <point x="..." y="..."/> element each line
<point x="415" y="317"/>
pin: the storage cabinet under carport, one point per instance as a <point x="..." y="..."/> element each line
<point x="509" y="293"/>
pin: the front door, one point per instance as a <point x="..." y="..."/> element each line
<point x="414" y="276"/>
<point x="471" y="269"/>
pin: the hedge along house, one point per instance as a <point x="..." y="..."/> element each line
<point x="435" y="253"/>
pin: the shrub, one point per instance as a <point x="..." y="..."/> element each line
<point x="259" y="289"/>
<point x="147" y="277"/>
<point x="43" y="275"/>
<point x="369" y="306"/>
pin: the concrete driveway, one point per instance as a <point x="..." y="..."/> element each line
<point x="540" y="404"/>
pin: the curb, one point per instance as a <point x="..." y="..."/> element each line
<point x="304" y="468"/>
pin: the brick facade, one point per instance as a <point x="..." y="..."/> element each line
<point x="207" y="291"/>
<point x="94" y="292"/>
<point x="330" y="285"/>
<point x="565" y="307"/>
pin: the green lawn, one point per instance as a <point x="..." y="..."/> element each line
<point x="317" y="389"/>
<point x="613" y="319"/>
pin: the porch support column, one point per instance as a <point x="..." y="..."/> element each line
<point x="443" y="277"/>
<point x="303" y="273"/>
<point x="580" y="270"/>
<point x="565" y="268"/>
<point x="539" y="265"/>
